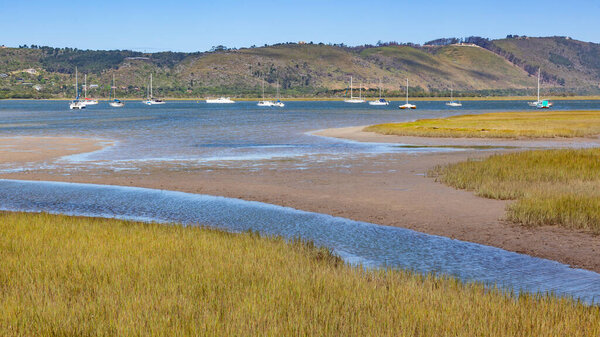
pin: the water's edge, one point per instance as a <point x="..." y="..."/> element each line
<point x="358" y="243"/>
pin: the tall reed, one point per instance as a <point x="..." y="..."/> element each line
<point x="66" y="276"/>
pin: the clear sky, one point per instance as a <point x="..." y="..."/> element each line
<point x="176" y="25"/>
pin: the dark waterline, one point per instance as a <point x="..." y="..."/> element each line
<point x="356" y="242"/>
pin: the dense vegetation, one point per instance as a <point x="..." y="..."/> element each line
<point x="472" y="66"/>
<point x="552" y="187"/>
<point x="65" y="276"/>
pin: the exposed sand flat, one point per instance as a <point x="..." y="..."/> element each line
<point x="356" y="133"/>
<point x="388" y="190"/>
<point x="18" y="150"/>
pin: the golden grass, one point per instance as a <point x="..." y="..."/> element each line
<point x="552" y="187"/>
<point x="63" y="276"/>
<point x="531" y="124"/>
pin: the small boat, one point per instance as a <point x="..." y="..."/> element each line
<point x="407" y="105"/>
<point x="151" y="100"/>
<point x="220" y="100"/>
<point x="115" y="102"/>
<point x="380" y="101"/>
<point x="544" y="105"/>
<point x="86" y="100"/>
<point x="76" y="104"/>
<point x="353" y="99"/>
<point x="452" y="102"/>
<point x="278" y="103"/>
<point x="264" y="102"/>
<point x="539" y="103"/>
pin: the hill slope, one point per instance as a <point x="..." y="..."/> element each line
<point x="492" y="67"/>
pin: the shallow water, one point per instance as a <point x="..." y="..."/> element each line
<point x="357" y="242"/>
<point x="232" y="133"/>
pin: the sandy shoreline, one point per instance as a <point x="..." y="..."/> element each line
<point x="386" y="189"/>
<point x="21" y="150"/>
<point x="356" y="133"/>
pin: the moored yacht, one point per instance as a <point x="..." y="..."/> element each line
<point x="116" y="103"/>
<point x="86" y="100"/>
<point x="151" y="100"/>
<point x="76" y="104"/>
<point x="220" y="100"/>
<point x="407" y="105"/>
<point x="540" y="104"/>
<point x="353" y="99"/>
<point x="452" y="102"/>
<point x="264" y="102"/>
<point x="380" y="101"/>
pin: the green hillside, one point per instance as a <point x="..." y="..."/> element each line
<point x="564" y="61"/>
<point x="497" y="67"/>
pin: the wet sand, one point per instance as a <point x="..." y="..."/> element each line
<point x="20" y="150"/>
<point x="389" y="189"/>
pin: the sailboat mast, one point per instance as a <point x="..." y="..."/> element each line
<point x="278" y="89"/>
<point x="351" y="88"/>
<point x="360" y="91"/>
<point x="380" y="88"/>
<point x="538" y="91"/>
<point x="263" y="88"/>
<point x="85" y="86"/>
<point x="150" y="85"/>
<point x="407" y="91"/>
<point x="114" y="88"/>
<point x="76" y="85"/>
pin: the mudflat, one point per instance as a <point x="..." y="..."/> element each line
<point x="389" y="189"/>
<point x="19" y="150"/>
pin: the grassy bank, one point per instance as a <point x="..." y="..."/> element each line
<point x="552" y="187"/>
<point x="76" y="276"/>
<point x="530" y="124"/>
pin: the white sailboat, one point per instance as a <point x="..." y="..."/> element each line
<point x="76" y="104"/>
<point x="86" y="100"/>
<point x="539" y="103"/>
<point x="407" y="105"/>
<point x="220" y="100"/>
<point x="264" y="102"/>
<point x="151" y="100"/>
<point x="452" y="102"/>
<point x="116" y="103"/>
<point x="278" y="103"/>
<point x="353" y="99"/>
<point x="380" y="101"/>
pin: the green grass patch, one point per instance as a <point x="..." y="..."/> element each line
<point x="531" y="124"/>
<point x="552" y="187"/>
<point x="63" y="276"/>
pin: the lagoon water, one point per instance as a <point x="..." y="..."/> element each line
<point x="243" y="136"/>
<point x="238" y="134"/>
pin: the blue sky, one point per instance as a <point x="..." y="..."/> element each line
<point x="197" y="25"/>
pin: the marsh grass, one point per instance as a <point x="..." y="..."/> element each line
<point x="552" y="187"/>
<point x="65" y="276"/>
<point x="530" y="124"/>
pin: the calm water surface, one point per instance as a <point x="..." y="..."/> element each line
<point x="199" y="132"/>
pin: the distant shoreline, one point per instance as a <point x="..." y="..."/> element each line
<point x="341" y="99"/>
